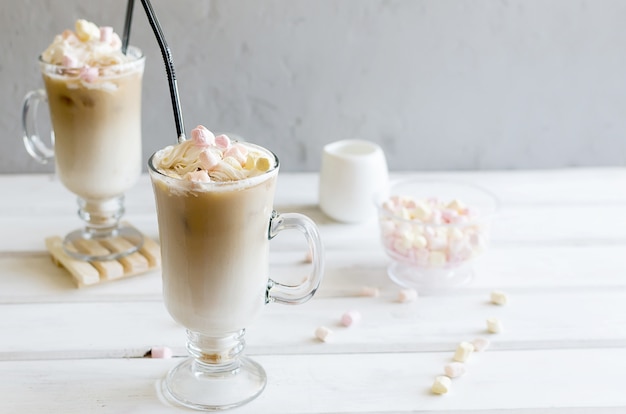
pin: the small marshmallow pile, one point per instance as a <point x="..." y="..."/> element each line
<point x="431" y="233"/>
<point x="82" y="51"/>
<point x="206" y="157"/>
<point x="465" y="349"/>
<point x="457" y="368"/>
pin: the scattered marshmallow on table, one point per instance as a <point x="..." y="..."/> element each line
<point x="323" y="334"/>
<point x="480" y="344"/>
<point x="350" y="318"/>
<point x="463" y="351"/>
<point x="494" y="325"/>
<point x="369" y="291"/>
<point x="161" y="352"/>
<point x="441" y="385"/>
<point x="498" y="297"/>
<point x="454" y="369"/>
<point x="407" y="295"/>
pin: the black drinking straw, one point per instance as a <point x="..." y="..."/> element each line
<point x="127" y="22"/>
<point x="169" y="68"/>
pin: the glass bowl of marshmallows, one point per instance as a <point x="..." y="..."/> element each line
<point x="433" y="230"/>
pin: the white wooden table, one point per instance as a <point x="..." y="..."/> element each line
<point x="558" y="250"/>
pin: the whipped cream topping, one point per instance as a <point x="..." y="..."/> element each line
<point x="88" y="46"/>
<point x="206" y="157"/>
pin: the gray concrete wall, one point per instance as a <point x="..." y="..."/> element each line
<point x="476" y="84"/>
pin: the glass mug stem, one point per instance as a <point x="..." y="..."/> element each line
<point x="102" y="238"/>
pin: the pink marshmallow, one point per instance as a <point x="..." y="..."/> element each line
<point x="198" y="176"/>
<point x="436" y="217"/>
<point x="202" y="137"/>
<point x="480" y="344"/>
<point x="88" y="74"/>
<point x="105" y="34"/>
<point x="449" y="215"/>
<point x="116" y="42"/>
<point x="455" y="369"/>
<point x="222" y="141"/>
<point x="208" y="160"/>
<point x="70" y="62"/>
<point x="236" y="153"/>
<point x="350" y="318"/>
<point x="161" y="352"/>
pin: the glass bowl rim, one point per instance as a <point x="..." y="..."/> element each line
<point x="482" y="217"/>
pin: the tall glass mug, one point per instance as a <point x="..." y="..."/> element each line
<point x="96" y="146"/>
<point x="215" y="260"/>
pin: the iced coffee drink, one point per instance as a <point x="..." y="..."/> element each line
<point x="93" y="91"/>
<point x="94" y="95"/>
<point x="214" y="205"/>
<point x="214" y="201"/>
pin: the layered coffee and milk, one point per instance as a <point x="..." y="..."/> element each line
<point x="94" y="95"/>
<point x="214" y="202"/>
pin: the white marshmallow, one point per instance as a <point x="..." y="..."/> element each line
<point x="369" y="291"/>
<point x="323" y="333"/>
<point x="441" y="385"/>
<point x="422" y="211"/>
<point x="463" y="351"/>
<point x="437" y="258"/>
<point x="498" y="297"/>
<point x="86" y="31"/>
<point x="494" y="325"/>
<point x="262" y="164"/>
<point x="457" y="205"/>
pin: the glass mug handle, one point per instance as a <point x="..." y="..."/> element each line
<point x="293" y="295"/>
<point x="32" y="140"/>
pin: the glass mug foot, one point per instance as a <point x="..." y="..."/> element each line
<point x="217" y="376"/>
<point x="114" y="244"/>
<point x="212" y="391"/>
